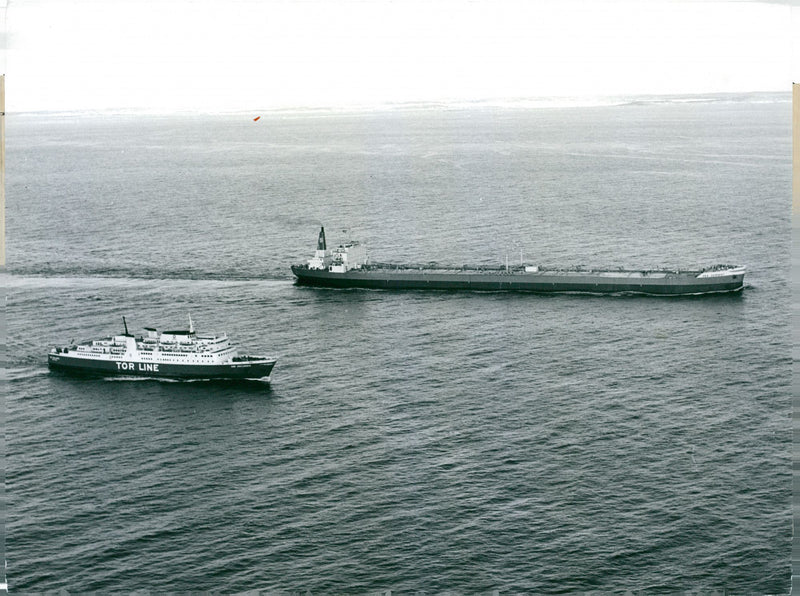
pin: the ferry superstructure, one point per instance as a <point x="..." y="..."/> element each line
<point x="347" y="266"/>
<point x="177" y="354"/>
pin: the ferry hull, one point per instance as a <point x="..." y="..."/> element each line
<point x="260" y="369"/>
<point x="543" y="282"/>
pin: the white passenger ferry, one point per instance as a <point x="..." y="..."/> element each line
<point x="181" y="354"/>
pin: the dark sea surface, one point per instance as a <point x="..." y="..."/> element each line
<point x="409" y="441"/>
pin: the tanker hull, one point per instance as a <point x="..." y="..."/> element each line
<point x="347" y="266"/>
<point x="594" y="282"/>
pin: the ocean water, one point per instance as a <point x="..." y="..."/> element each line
<point x="409" y="441"/>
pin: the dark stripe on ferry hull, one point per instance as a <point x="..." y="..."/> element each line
<point x="237" y="370"/>
<point x="671" y="286"/>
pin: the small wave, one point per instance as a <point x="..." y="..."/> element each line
<point x="19" y="374"/>
<point x="124" y="378"/>
<point x="264" y="381"/>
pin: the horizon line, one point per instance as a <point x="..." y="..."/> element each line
<point x="515" y="102"/>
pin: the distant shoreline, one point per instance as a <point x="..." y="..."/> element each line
<point x="448" y="105"/>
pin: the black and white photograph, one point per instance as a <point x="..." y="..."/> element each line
<point x="381" y="297"/>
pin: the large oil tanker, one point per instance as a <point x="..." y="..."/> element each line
<point x="177" y="354"/>
<point x="347" y="266"/>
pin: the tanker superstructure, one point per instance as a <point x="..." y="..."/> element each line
<point x="347" y="266"/>
<point x="179" y="354"/>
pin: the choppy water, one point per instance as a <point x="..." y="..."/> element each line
<point x="409" y="441"/>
